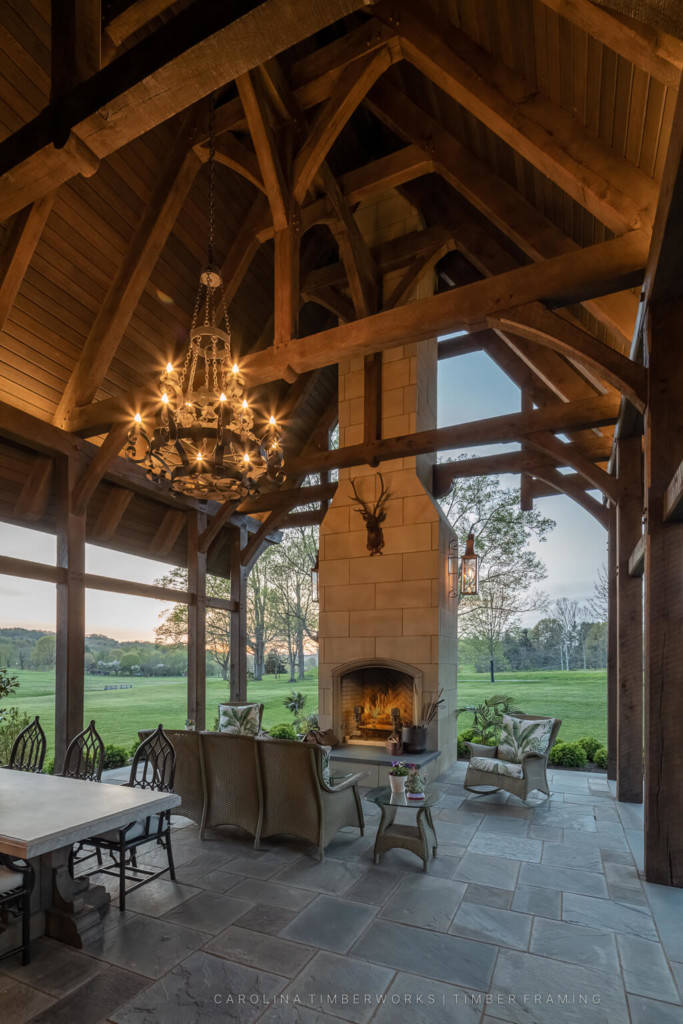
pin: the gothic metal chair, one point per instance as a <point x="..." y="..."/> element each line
<point x="28" y="750"/>
<point x="85" y="756"/>
<point x="16" y="885"/>
<point x="153" y="767"/>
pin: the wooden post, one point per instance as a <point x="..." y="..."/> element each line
<point x="76" y="43"/>
<point x="612" y="644"/>
<point x="70" y="653"/>
<point x="629" y="766"/>
<point x="526" y="497"/>
<point x="196" y="621"/>
<point x="238" y="618"/>
<point x="663" y="604"/>
<point x="372" y="408"/>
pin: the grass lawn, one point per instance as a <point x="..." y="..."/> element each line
<point x="578" y="698"/>
<point x="120" y="713"/>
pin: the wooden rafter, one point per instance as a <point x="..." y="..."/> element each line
<point x="385" y="173"/>
<point x="351" y="87"/>
<point x="651" y="50"/>
<point x="134" y="17"/>
<point x="91" y="476"/>
<point x="111" y="513"/>
<point x="606" y="184"/>
<point x="544" y="441"/>
<point x="75" y="46"/>
<point x="420" y="266"/>
<point x="171" y="525"/>
<point x="498" y="201"/>
<point x="595" y="270"/>
<point x="21" y="241"/>
<point x="263" y="138"/>
<point x="33" y="499"/>
<point x="563" y="485"/>
<point x="232" y="153"/>
<point x="132" y="277"/>
<point x="201" y="49"/>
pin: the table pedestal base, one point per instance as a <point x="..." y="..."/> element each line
<point x="74" y="909"/>
<point x="420" y="838"/>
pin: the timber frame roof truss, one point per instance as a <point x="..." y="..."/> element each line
<point x="533" y="151"/>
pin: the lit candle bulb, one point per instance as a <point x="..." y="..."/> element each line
<point x="164" y="398"/>
<point x="272" y="421"/>
<point x="235" y="369"/>
<point x="223" y="398"/>
<point x="169" y="367"/>
<point x="137" y="417"/>
<point x="199" y="456"/>
<point x="246" y="457"/>
<point x="245" y="405"/>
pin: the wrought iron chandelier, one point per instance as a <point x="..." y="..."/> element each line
<point x="203" y="439"/>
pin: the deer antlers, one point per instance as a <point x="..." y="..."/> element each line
<point x="374" y="517"/>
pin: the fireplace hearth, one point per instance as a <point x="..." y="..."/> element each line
<point x="374" y="702"/>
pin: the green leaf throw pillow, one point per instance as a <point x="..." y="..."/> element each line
<point x="240" y="721"/>
<point x="519" y="736"/>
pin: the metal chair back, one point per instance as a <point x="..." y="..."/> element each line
<point x="85" y="756"/>
<point x="28" y="750"/>
<point x="153" y="764"/>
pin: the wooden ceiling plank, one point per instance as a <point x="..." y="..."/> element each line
<point x="263" y="138"/>
<point x="597" y="269"/>
<point x="655" y="52"/>
<point x="199" y="51"/>
<point x="560" y="417"/>
<point x="617" y="193"/>
<point x="111" y="513"/>
<point x="20" y="244"/>
<point x="32" y="501"/>
<point x="131" y="279"/>
<point x="353" y="84"/>
<point x="498" y="201"/>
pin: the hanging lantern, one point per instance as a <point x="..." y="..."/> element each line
<point x="203" y="440"/>
<point x="469" y="569"/>
<point x="315" y="577"/>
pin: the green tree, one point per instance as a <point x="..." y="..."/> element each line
<point x="6" y="655"/>
<point x="172" y="629"/>
<point x="295" y="611"/>
<point x="129" y="662"/>
<point x="45" y="652"/>
<point x="261" y="619"/>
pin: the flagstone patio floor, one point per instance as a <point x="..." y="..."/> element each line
<point x="527" y="915"/>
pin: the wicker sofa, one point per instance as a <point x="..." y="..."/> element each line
<point x="266" y="787"/>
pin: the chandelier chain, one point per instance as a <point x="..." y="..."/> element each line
<point x="212" y="175"/>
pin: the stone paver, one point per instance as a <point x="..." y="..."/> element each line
<point x="521" y="902"/>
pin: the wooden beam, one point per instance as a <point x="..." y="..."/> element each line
<point x="559" y="281"/>
<point x="94" y="472"/>
<point x="287" y="280"/>
<point x="75" y="50"/>
<point x="329" y="298"/>
<point x="32" y="501"/>
<point x="385" y="173"/>
<point x="221" y="519"/>
<point x="20" y="243"/>
<point x="26" y="570"/>
<point x="199" y="51"/>
<point x="132" y="18"/>
<point x="649" y="49"/>
<point x="605" y="183"/>
<point x="196" y="621"/>
<point x="663" y="603"/>
<point x="591" y="412"/>
<point x="547" y="328"/>
<point x="245" y="245"/>
<point x="131" y="279"/>
<point x="444" y="473"/>
<point x="636" y="560"/>
<point x="288" y="498"/>
<point x="564" y="486"/>
<point x="232" y="153"/>
<point x="419" y="268"/>
<point x="251" y="552"/>
<point x="461" y="346"/>
<point x="612" y="683"/>
<point x="295" y="520"/>
<point x="673" y="498"/>
<point x="172" y="524"/>
<point x="134" y="589"/>
<point x="352" y="86"/>
<point x="111" y="513"/>
<point x="526" y="498"/>
<point x="629" y="766"/>
<point x="544" y="441"/>
<point x="70" y="618"/>
<point x="238" y="619"/>
<point x="263" y="138"/>
<point x="520" y="221"/>
<point x="372" y="397"/>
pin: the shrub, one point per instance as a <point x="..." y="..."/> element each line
<point x="463" y="737"/>
<point x="488" y="717"/>
<point x="283" y="731"/>
<point x="134" y="746"/>
<point x="12" y="724"/>
<point x="600" y="757"/>
<point x="568" y="755"/>
<point x="49" y="768"/>
<point x="114" y="757"/>
<point x="590" y="745"/>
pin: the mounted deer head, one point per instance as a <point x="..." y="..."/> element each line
<point x="373" y="517"/>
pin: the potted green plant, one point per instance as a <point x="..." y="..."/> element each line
<point x="416" y="781"/>
<point x="398" y="774"/>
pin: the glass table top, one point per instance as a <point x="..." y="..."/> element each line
<point x="383" y="796"/>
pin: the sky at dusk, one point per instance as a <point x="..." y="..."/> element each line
<point x="573" y="552"/>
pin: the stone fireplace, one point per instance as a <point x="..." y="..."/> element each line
<point x="388" y="626"/>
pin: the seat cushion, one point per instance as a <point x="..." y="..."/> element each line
<point x="520" y="736"/>
<point x="496" y="766"/>
<point x="10" y="880"/>
<point x="240" y="721"/>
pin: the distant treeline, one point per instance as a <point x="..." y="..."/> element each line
<point x="549" y="645"/>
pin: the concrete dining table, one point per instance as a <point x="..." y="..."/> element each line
<point x="41" y="817"/>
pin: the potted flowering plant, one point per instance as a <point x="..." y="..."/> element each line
<point x="398" y="774"/>
<point x="415" y="782"/>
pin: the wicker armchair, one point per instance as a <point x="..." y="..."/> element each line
<point x="518" y="779"/>
<point x="297" y="801"/>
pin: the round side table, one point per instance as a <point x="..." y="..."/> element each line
<point x="419" y="838"/>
